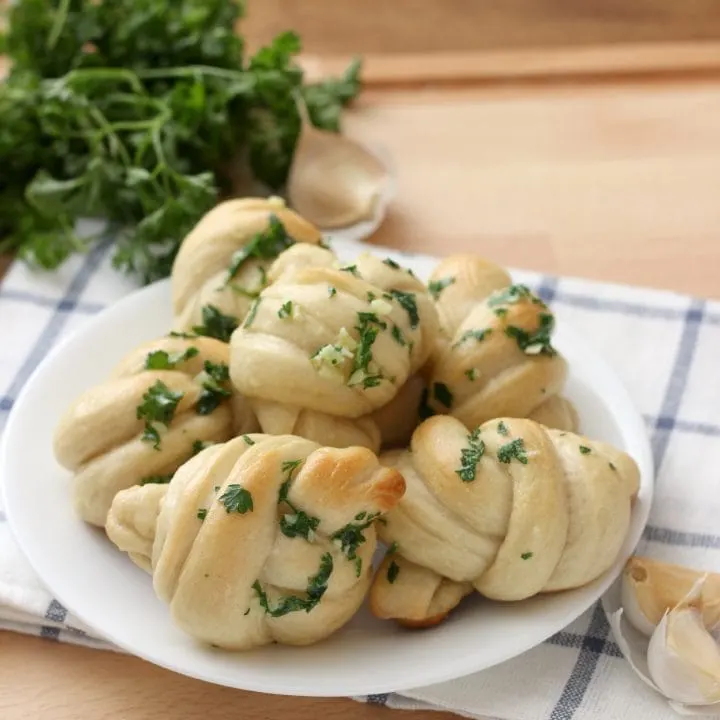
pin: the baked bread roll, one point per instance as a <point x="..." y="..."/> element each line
<point x="501" y="362"/>
<point x="161" y="403"/>
<point x="324" y="347"/>
<point x="260" y="539"/>
<point x="222" y="263"/>
<point x="513" y="508"/>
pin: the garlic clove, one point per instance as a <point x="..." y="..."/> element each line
<point x="336" y="182"/>
<point x="684" y="659"/>
<point x="633" y="645"/>
<point x="650" y="588"/>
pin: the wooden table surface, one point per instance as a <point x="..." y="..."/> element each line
<point x="613" y="181"/>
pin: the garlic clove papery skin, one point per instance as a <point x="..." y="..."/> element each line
<point x="336" y="182"/>
<point x="633" y="645"/>
<point x="684" y="658"/>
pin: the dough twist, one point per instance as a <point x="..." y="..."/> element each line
<point x="261" y="538"/>
<point x="499" y="359"/>
<point x="210" y="270"/>
<point x="158" y="406"/>
<point x="512" y="509"/>
<point x="324" y="348"/>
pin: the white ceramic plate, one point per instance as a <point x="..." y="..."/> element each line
<point x="104" y="589"/>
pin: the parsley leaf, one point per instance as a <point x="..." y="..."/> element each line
<point x="397" y="335"/>
<point x="513" y="294"/>
<point x="316" y="588"/>
<point x="236" y="499"/>
<point x="470" y="456"/>
<point x="437" y="286"/>
<point x="585" y="450"/>
<point x="537" y="342"/>
<point x="352" y="269"/>
<point x="471" y="374"/>
<point x="158" y="406"/>
<point x="248" y="440"/>
<point x="392" y="572"/>
<point x="299" y="524"/>
<point x="526" y="555"/>
<point x="215" y="324"/>
<point x="332" y="291"/>
<point x="478" y="335"/>
<point x="265" y="245"/>
<point x="391" y="263"/>
<point x="199" y="445"/>
<point x="163" y="360"/>
<point x="349" y="538"/>
<point x="408" y="303"/>
<point x="513" y="450"/>
<point x="502" y="428"/>
<point x="213" y="392"/>
<point x="201" y="513"/>
<point x="250" y="317"/>
<point x="286" y="311"/>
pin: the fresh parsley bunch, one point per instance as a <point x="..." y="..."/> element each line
<point x="141" y="112"/>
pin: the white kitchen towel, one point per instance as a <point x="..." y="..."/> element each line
<point x="666" y="347"/>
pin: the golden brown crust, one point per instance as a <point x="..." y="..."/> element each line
<point x="209" y="559"/>
<point x="514" y="509"/>
<point x="99" y="438"/>
<point x="201" y="267"/>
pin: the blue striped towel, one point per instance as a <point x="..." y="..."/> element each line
<point x="666" y="347"/>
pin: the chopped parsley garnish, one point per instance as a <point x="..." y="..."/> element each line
<point x="286" y="311"/>
<point x="424" y="409"/>
<point x="537" y="342"/>
<point x="158" y="406"/>
<point x="248" y="440"/>
<point x="213" y="392"/>
<point x="398" y="336"/>
<point x="478" y="335"/>
<point x="391" y="263"/>
<point x="202" y="513"/>
<point x="288" y="466"/>
<point x="513" y="450"/>
<point x="264" y="245"/>
<point x="502" y="428"/>
<point x="526" y="555"/>
<point x="163" y="360"/>
<point x="585" y="450"/>
<point x="442" y="394"/>
<point x="236" y="499"/>
<point x="199" y="445"/>
<point x="156" y="479"/>
<point x="247" y="612"/>
<point x="500" y="311"/>
<point x="215" y="324"/>
<point x="392" y="572"/>
<point x="437" y="286"/>
<point x="352" y="269"/>
<point x="368" y="327"/>
<point x="612" y="466"/>
<point x="407" y="302"/>
<point x="471" y="374"/>
<point x="513" y="294"/>
<point x="316" y="588"/>
<point x="350" y="537"/>
<point x="252" y="313"/>
<point x="470" y="456"/>
<point x="298" y="524"/>
<point x="393" y="548"/>
<point x="244" y="292"/>
<point x="184" y="335"/>
<point x="332" y="291"/>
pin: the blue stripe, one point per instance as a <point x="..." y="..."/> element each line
<point x="55" y="324"/>
<point x="593" y="645"/>
<point x="46" y="302"/>
<point x="680" y="538"/>
<point x="678" y="381"/>
<point x="581" y="676"/>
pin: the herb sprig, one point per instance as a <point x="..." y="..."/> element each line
<point x="136" y="112"/>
